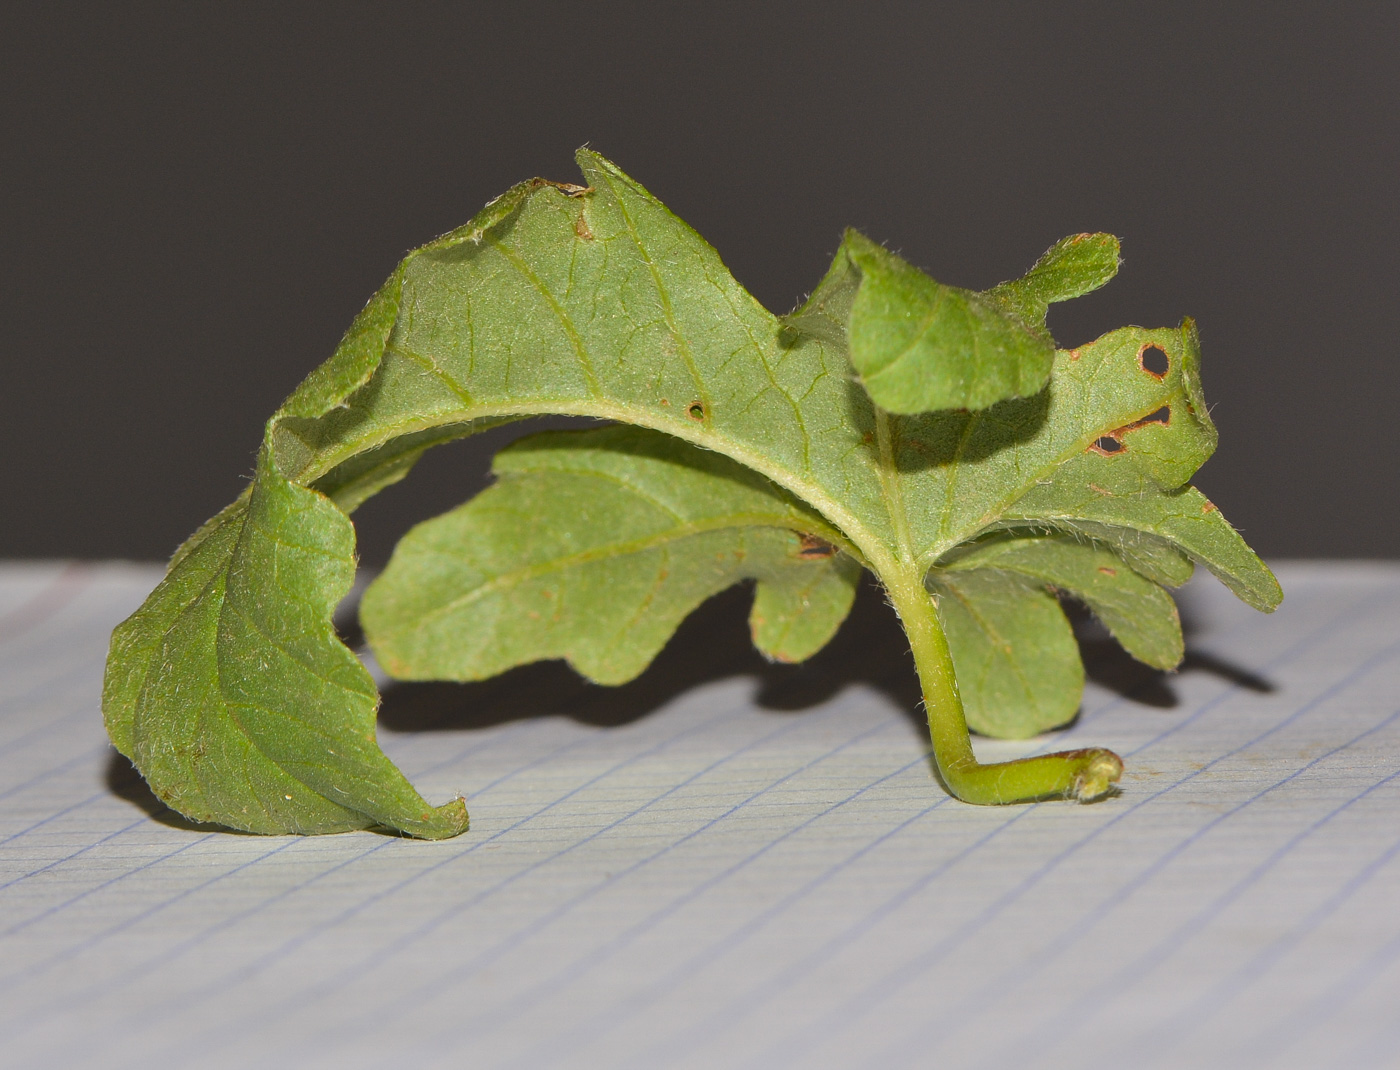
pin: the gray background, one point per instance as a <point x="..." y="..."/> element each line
<point x="196" y="200"/>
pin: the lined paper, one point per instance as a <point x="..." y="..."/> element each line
<point x="732" y="864"/>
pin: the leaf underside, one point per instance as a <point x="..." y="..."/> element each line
<point x="593" y="547"/>
<point x="753" y="452"/>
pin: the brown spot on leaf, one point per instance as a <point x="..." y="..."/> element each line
<point x="1209" y="507"/>
<point x="569" y="189"/>
<point x="1108" y="571"/>
<point x="581" y="228"/>
<point x="1113" y="442"/>
<point x="1101" y="490"/>
<point x="666" y="402"/>
<point x="811" y="548"/>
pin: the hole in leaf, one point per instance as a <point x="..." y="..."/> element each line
<point x="1108" y="446"/>
<point x="1154" y="361"/>
<point x="1161" y="416"/>
<point x="696" y="410"/>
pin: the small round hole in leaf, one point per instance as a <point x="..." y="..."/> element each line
<point x="696" y="411"/>
<point x="1154" y="361"/>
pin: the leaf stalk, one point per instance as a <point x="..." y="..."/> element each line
<point x="1083" y="775"/>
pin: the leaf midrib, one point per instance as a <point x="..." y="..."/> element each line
<point x="848" y="531"/>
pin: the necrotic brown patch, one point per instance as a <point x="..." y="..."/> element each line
<point x="813" y="548"/>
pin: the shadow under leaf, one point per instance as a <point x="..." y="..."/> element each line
<point x="126" y="783"/>
<point x="1109" y="665"/>
<point x="712" y="644"/>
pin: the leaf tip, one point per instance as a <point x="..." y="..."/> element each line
<point x="445" y="821"/>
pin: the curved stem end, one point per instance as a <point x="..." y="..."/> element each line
<point x="1096" y="777"/>
<point x="1082" y="775"/>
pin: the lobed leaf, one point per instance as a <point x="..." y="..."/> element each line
<point x="1070" y="268"/>
<point x="229" y="688"/>
<point x="1138" y="613"/>
<point x="593" y="547"/>
<point x="920" y="345"/>
<point x="1132" y="477"/>
<point x="232" y="694"/>
<point x="1018" y="667"/>
<point x="1184" y="520"/>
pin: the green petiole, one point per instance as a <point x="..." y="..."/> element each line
<point x="1083" y="775"/>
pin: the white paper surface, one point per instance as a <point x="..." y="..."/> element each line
<point x="730" y="866"/>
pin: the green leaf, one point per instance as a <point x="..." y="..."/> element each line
<point x="1183" y="519"/>
<point x="229" y="688"/>
<point x="1070" y="268"/>
<point x="593" y="547"/>
<point x="1018" y="667"/>
<point x="1138" y="612"/>
<point x="230" y="691"/>
<point x="241" y="705"/>
<point x="964" y="472"/>
<point x="919" y="345"/>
